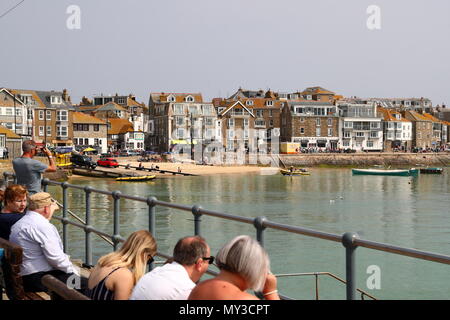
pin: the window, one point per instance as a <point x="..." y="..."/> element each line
<point x="271" y="123"/>
<point x="121" y="100"/>
<point x="249" y="102"/>
<point x="246" y="122"/>
<point x="348" y="124"/>
<point x="189" y="99"/>
<point x="171" y="98"/>
<point x="49" y="130"/>
<point x="375" y="125"/>
<point x="41" y="131"/>
<point x="269" y="103"/>
<point x="29" y="114"/>
<point x="96" y="127"/>
<point x="260" y="123"/>
<point x="209" y="121"/>
<point x="317" y="121"/>
<point x="75" y="127"/>
<point x="9" y="111"/>
<point x="61" y="131"/>
<point x="360" y="134"/>
<point x="41" y="114"/>
<point x="86" y="141"/>
<point x="302" y="130"/>
<point x="230" y="145"/>
<point x="270" y="113"/>
<point x="61" y="115"/>
<point x="259" y="113"/>
<point x="238" y="112"/>
<point x="180" y="133"/>
<point x="193" y="110"/>
<point x="347" y="134"/>
<point x="75" y="141"/>
<point x="18" y="112"/>
<point x="9" y="125"/>
<point x="178" y="108"/>
<point x="299" y="110"/>
<point x="231" y="134"/>
<point x="330" y="122"/>
<point x="179" y="121"/>
<point x="318" y="132"/>
<point x="369" y="144"/>
<point x="55" y="100"/>
<point x="330" y="132"/>
<point x="48" y="115"/>
<point x="374" y="134"/>
<point x="346" y="143"/>
<point x="230" y="123"/>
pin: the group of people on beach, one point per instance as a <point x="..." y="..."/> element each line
<point x="121" y="275"/>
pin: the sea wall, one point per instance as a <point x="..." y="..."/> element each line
<point x="366" y="159"/>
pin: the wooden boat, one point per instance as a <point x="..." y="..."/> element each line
<point x="135" y="179"/>
<point x="386" y="172"/>
<point x="296" y="172"/>
<point x="431" y="170"/>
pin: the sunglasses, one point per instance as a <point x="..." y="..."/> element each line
<point x="209" y="259"/>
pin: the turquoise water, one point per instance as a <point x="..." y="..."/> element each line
<point x="404" y="211"/>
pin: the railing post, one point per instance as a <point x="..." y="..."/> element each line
<point x="197" y="215"/>
<point x="64" y="187"/>
<point x="88" y="227"/>
<point x="116" y="236"/>
<point x="350" y="270"/>
<point x="151" y="221"/>
<point x="258" y="222"/>
<point x="45" y="184"/>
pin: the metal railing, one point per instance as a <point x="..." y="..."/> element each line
<point x="349" y="240"/>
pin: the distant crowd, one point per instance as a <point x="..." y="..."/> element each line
<point x="121" y="275"/>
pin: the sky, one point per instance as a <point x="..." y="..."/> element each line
<point x="214" y="47"/>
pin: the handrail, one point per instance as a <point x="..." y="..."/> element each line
<point x="350" y="241"/>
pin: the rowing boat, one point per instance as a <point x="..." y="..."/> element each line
<point x="301" y="172"/>
<point x="431" y="170"/>
<point x="386" y="172"/>
<point x="135" y="179"/>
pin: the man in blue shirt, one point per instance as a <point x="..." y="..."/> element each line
<point x="29" y="171"/>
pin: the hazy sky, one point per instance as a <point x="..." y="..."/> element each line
<point x="214" y="47"/>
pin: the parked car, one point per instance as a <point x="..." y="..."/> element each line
<point x="125" y="153"/>
<point x="83" y="161"/>
<point x="108" y="162"/>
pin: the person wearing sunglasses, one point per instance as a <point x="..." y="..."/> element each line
<point x="175" y="280"/>
<point x="115" y="274"/>
<point x="243" y="265"/>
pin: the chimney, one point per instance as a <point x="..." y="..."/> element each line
<point x="65" y="96"/>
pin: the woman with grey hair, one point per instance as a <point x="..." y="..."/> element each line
<point x="243" y="265"/>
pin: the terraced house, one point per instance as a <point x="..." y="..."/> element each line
<point x="89" y="131"/>
<point x="249" y="123"/>
<point x="179" y="121"/>
<point x="360" y="125"/>
<point x="311" y="124"/>
<point x="422" y="129"/>
<point x="397" y="131"/>
<point x="13" y="112"/>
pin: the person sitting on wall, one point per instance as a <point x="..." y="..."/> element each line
<point x="115" y="274"/>
<point x="42" y="246"/>
<point x="15" y="198"/>
<point x="175" y="280"/>
<point x="243" y="265"/>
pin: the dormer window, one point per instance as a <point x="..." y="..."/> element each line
<point x="55" y="100"/>
<point x="171" y="98"/>
<point x="269" y="103"/>
<point x="309" y="97"/>
<point x="189" y="99"/>
<point x="249" y="102"/>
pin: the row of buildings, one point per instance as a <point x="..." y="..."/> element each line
<point x="314" y="118"/>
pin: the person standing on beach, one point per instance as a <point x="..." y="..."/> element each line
<point x="29" y="171"/>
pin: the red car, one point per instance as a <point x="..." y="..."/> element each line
<point x="108" y="162"/>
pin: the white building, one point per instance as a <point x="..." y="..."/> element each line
<point x="361" y="128"/>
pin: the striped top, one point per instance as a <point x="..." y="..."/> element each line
<point x="100" y="291"/>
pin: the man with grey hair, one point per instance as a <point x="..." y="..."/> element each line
<point x="42" y="246"/>
<point x="175" y="281"/>
<point x="29" y="171"/>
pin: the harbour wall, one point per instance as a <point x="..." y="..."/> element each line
<point x="366" y="159"/>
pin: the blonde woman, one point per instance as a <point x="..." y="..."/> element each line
<point x="115" y="274"/>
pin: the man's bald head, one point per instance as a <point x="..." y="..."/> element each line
<point x="189" y="249"/>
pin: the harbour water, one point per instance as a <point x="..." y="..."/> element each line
<point x="404" y="211"/>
